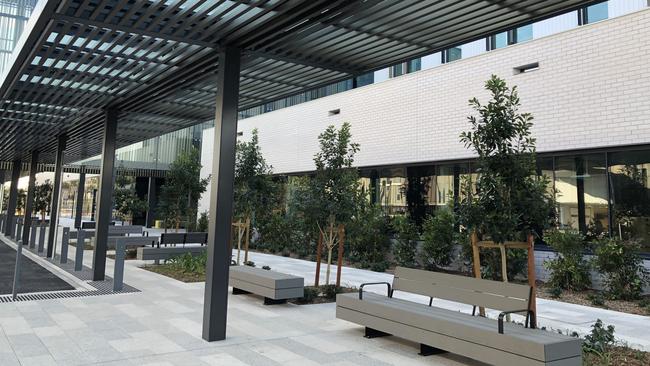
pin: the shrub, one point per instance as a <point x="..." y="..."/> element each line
<point x="202" y="224"/>
<point x="406" y="236"/>
<point x="439" y="239"/>
<point x="622" y="266"/>
<point x="555" y="292"/>
<point x="330" y="291"/>
<point x="569" y="270"/>
<point x="367" y="236"/>
<point x="266" y="268"/>
<point x="381" y="266"/>
<point x="309" y="295"/>
<point x="599" y="339"/>
<point x="596" y="299"/>
<point x="188" y="263"/>
<point x="249" y="263"/>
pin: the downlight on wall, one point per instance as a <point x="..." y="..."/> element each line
<point x="334" y="112"/>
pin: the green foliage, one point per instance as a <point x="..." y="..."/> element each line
<point x="367" y="237"/>
<point x="254" y="190"/>
<point x="188" y="263"/>
<point x="43" y="198"/>
<point x="330" y="291"/>
<point x="622" y="266"/>
<point x="182" y="189"/>
<point x="127" y="202"/>
<point x="309" y="295"/>
<point x="569" y="270"/>
<point x="268" y="268"/>
<point x="508" y="200"/>
<point x="202" y="224"/>
<point x="21" y="199"/>
<point x="555" y="292"/>
<point x="249" y="263"/>
<point x="596" y="299"/>
<point x="516" y="260"/>
<point x="438" y="237"/>
<point x="333" y="194"/>
<point x="406" y="237"/>
<point x="599" y="339"/>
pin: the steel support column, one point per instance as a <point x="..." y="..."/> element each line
<point x="29" y="204"/>
<point x="215" y="305"/>
<point x="152" y="201"/>
<point x="79" y="207"/>
<point x="56" y="191"/>
<point x="105" y="201"/>
<point x="13" y="198"/>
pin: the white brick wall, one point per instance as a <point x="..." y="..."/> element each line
<point x="592" y="90"/>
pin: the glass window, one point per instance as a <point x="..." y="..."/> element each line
<point x="365" y="79"/>
<point x="420" y="193"/>
<point x="500" y="40"/>
<point x="431" y="61"/>
<point x="630" y="195"/>
<point x="381" y="75"/>
<point x="392" y="191"/>
<point x="523" y="34"/>
<point x="596" y="12"/>
<point x="554" y="25"/>
<point x="398" y="70"/>
<point x="581" y="184"/>
<point x="473" y="48"/>
<point x="453" y="54"/>
<point x="414" y="65"/>
<point x="617" y="8"/>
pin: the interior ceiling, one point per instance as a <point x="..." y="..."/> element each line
<point x="156" y="60"/>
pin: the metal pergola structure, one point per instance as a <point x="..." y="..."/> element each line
<point x="89" y="76"/>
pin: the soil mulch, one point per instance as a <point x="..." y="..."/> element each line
<point x="617" y="355"/>
<point x="321" y="298"/>
<point x="584" y="298"/>
<point x="170" y="271"/>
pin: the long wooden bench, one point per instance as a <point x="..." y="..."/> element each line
<point x="276" y="287"/>
<point x="441" y="330"/>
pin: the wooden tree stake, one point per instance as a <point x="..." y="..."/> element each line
<point x="532" y="277"/>
<point x="476" y="262"/>
<point x="247" y="232"/>
<point x="339" y="267"/>
<point x="319" y="249"/>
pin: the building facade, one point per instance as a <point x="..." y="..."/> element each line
<point x="583" y="75"/>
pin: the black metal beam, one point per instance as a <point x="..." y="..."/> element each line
<point x="80" y="197"/>
<point x="215" y="305"/>
<point x="152" y="202"/>
<point x="56" y="192"/>
<point x="13" y="197"/>
<point x="105" y="202"/>
<point x="29" y="204"/>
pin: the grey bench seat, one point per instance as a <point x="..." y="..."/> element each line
<point x="276" y="287"/>
<point x="438" y="329"/>
<point x="166" y="253"/>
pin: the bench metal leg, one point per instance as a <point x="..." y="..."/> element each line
<point x="374" y="333"/>
<point x="238" y="291"/>
<point x="429" y="351"/>
<point x="269" y="301"/>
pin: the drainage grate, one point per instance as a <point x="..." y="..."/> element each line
<point x="100" y="288"/>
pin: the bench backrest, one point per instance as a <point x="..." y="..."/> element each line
<point x="467" y="290"/>
<point x="125" y="229"/>
<point x="172" y="238"/>
<point x="184" y="238"/>
<point x="196" y="238"/>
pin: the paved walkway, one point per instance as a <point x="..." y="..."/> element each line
<point x="161" y="325"/>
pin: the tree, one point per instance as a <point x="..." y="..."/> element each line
<point x="332" y="195"/>
<point x="127" y="202"/>
<point x="21" y="199"/>
<point x="255" y="192"/>
<point x="509" y="200"/>
<point x="43" y="198"/>
<point x="182" y="189"/>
